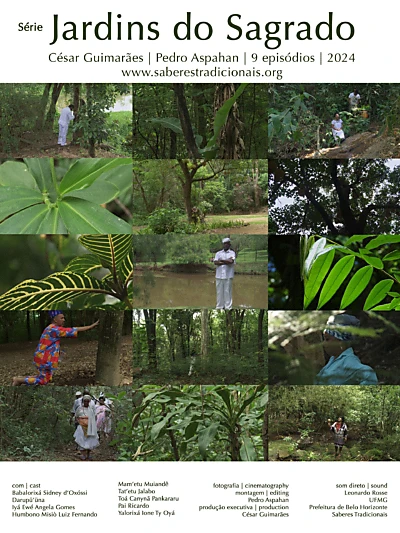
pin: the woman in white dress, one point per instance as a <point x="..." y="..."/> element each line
<point x="337" y="128"/>
<point x="86" y="435"/>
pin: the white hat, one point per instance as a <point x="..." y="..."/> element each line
<point x="227" y="239"/>
<point x="78" y="393"/>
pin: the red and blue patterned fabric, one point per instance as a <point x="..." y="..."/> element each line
<point x="47" y="353"/>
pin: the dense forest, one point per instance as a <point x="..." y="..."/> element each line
<point x="296" y="352"/>
<point x="36" y="424"/>
<point x="350" y="197"/>
<point x="199" y="346"/>
<point x="59" y="196"/>
<point x="199" y="423"/>
<point x="30" y="112"/>
<point x="78" y="271"/>
<point x="300" y="116"/>
<point x="177" y="270"/>
<point x="189" y="196"/>
<point x="102" y="355"/>
<point x="299" y="428"/>
<point x="199" y="120"/>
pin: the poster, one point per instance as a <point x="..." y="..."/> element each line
<point x="199" y="235"/>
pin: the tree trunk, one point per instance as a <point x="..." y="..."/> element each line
<point x="28" y="326"/>
<point x="204" y="332"/>
<point x="77" y="104"/>
<point x="230" y="142"/>
<point x="260" y="340"/>
<point x="184" y="118"/>
<point x="256" y="175"/>
<point x="265" y="434"/>
<point x="109" y="348"/>
<point x="150" y="317"/>
<point x="57" y="87"/>
<point x="42" y="107"/>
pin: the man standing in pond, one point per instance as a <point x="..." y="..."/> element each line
<point x="225" y="261"/>
<point x="66" y="116"/>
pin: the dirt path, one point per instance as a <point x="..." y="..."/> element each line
<point x="368" y="145"/>
<point x="104" y="452"/>
<point x="45" y="144"/>
<point x="77" y="367"/>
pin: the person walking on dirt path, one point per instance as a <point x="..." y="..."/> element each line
<point x="225" y="261"/>
<point x="343" y="367"/>
<point x="77" y="403"/>
<point x="66" y="116"/>
<point x="354" y="100"/>
<point x="85" y="435"/>
<point x="103" y="414"/>
<point x="339" y="430"/>
<point x="337" y="128"/>
<point x="47" y="354"/>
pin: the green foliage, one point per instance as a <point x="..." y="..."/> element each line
<point x="375" y="253"/>
<point x="76" y="283"/>
<point x="35" y="200"/>
<point x="164" y="220"/>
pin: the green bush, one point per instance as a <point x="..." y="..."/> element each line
<point x="165" y="220"/>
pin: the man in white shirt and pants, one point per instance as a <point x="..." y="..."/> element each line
<point x="66" y="116"/>
<point x="225" y="262"/>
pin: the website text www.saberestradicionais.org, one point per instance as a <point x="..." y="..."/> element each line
<point x="214" y="72"/>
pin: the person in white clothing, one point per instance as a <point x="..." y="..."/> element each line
<point x="66" y="116"/>
<point x="337" y="128"/>
<point x="225" y="261"/>
<point x="85" y="435"/>
<point x="354" y="100"/>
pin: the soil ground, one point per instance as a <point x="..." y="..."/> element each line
<point x="77" y="367"/>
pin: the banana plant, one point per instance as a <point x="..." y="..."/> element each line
<point x="375" y="252"/>
<point x="33" y="198"/>
<point x="77" y="284"/>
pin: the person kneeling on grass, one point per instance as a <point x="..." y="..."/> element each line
<point x="47" y="354"/>
<point x="85" y="435"/>
<point x="339" y="430"/>
<point x="337" y="128"/>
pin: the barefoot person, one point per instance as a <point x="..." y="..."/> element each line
<point x="339" y="430"/>
<point x="66" y="116"/>
<point x="337" y="128"/>
<point x="343" y="367"/>
<point x="47" y="354"/>
<point x="85" y="435"/>
<point x="225" y="262"/>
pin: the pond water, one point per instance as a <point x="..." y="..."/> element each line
<point x="196" y="290"/>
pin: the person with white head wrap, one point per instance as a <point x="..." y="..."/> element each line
<point x="225" y="261"/>
<point x="343" y="366"/>
<point x="86" y="435"/>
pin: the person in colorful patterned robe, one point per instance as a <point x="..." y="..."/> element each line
<point x="47" y="355"/>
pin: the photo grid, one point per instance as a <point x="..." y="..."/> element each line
<point x="199" y="272"/>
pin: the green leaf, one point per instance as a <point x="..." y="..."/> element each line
<point x="121" y="177"/>
<point x="191" y="429"/>
<point x="14" y="174"/>
<point x="84" y="264"/>
<point x="225" y="394"/>
<point x="13" y="199"/>
<point x="372" y="260"/>
<point x="315" y="249"/>
<point x="221" y="115"/>
<point x="155" y="430"/>
<point x="111" y="250"/>
<point x="52" y="223"/>
<point x="356" y="238"/>
<point x="43" y="294"/>
<point x="85" y="171"/>
<point x="356" y="286"/>
<point x="125" y="269"/>
<point x="42" y="169"/>
<point x="174" y="124"/>
<point x="247" y="450"/>
<point x="317" y="275"/>
<point x="382" y="239"/>
<point x="25" y="222"/>
<point x="392" y="256"/>
<point x="80" y="216"/>
<point x="101" y="192"/>
<point x="335" y="279"/>
<point x="378" y="293"/>
<point x="206" y="436"/>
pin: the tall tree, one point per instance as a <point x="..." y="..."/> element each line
<point x="109" y="347"/>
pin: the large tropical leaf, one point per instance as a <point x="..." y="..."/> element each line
<point x="125" y="269"/>
<point x="100" y="192"/>
<point x="174" y="124"/>
<point x="378" y="293"/>
<point x="81" y="216"/>
<point x="14" y="174"/>
<point x="43" y="294"/>
<point x="13" y="199"/>
<point x="356" y="285"/>
<point x="85" y="171"/>
<point x="121" y="177"/>
<point x="206" y="436"/>
<point x="26" y="221"/>
<point x="42" y="169"/>
<point x="84" y="264"/>
<point x="317" y="274"/>
<point x="247" y="450"/>
<point x="52" y="223"/>
<point x="111" y="249"/>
